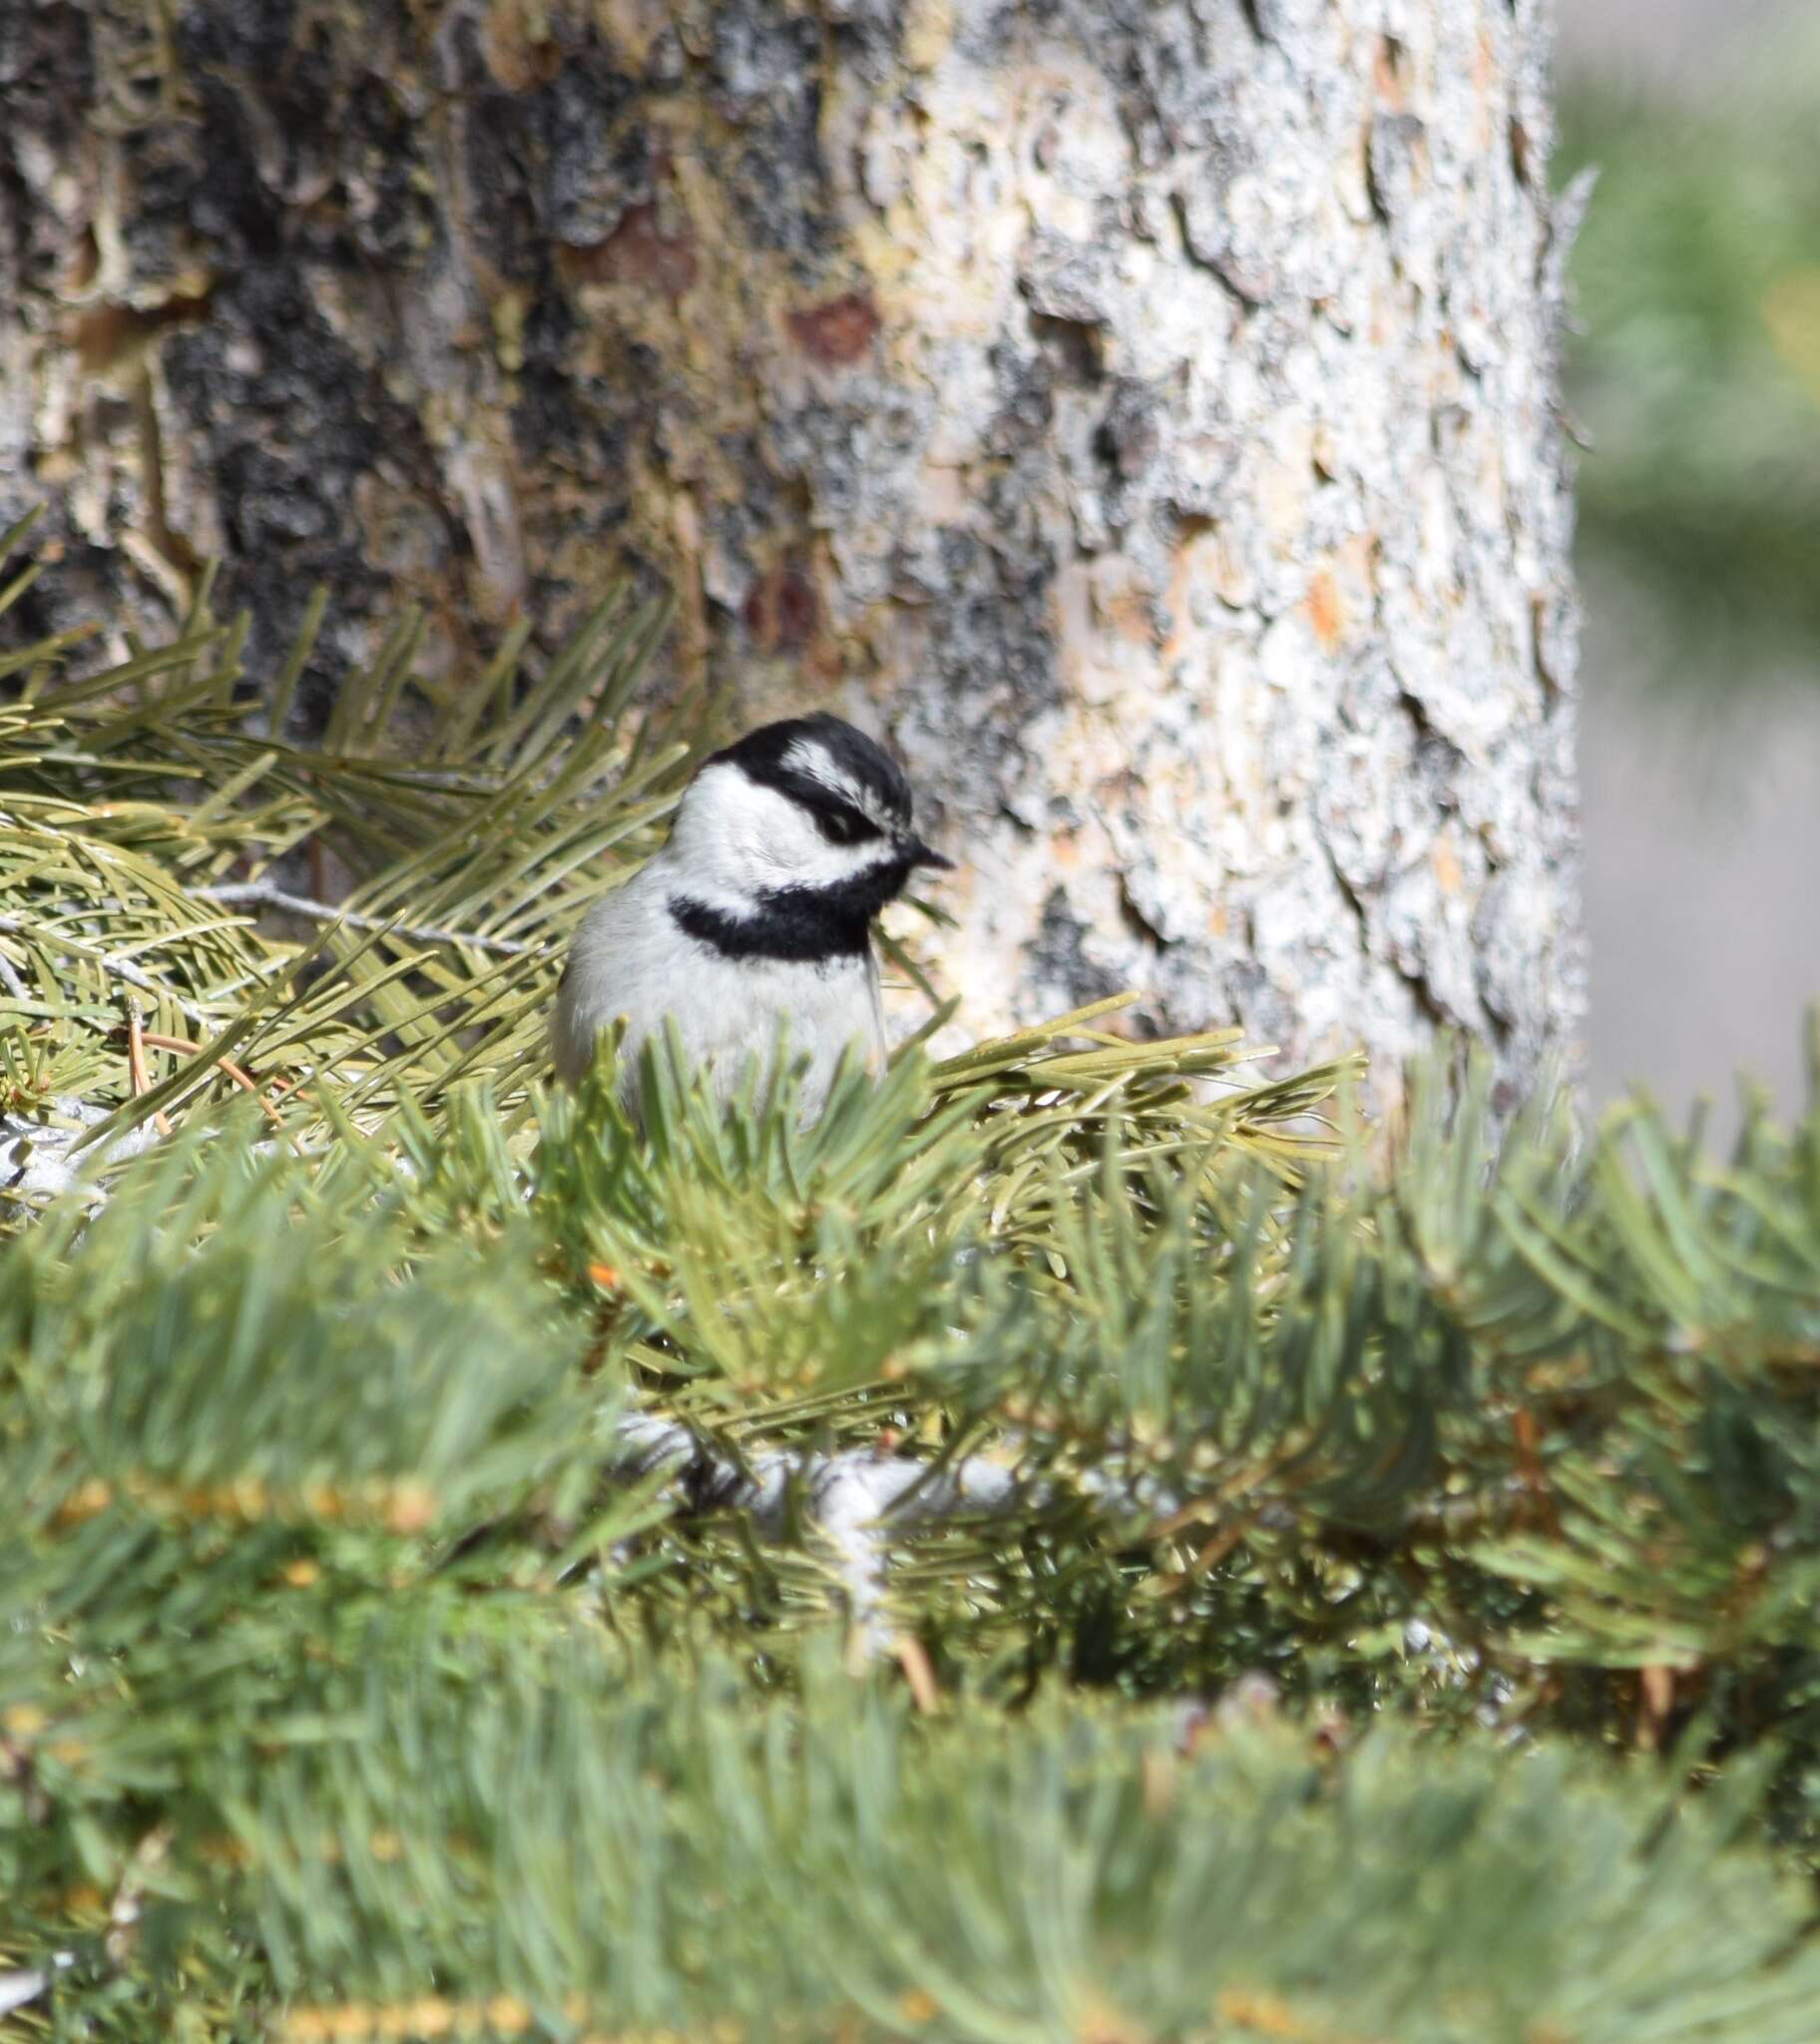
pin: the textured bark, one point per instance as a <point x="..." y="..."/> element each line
<point x="1146" y="411"/>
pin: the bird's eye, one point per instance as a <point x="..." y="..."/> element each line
<point x="841" y="826"/>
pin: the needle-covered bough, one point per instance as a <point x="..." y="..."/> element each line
<point x="1066" y="1542"/>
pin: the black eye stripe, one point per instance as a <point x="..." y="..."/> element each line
<point x="840" y="820"/>
<point x="840" y="824"/>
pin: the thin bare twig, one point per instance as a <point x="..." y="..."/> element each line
<point x="239" y="1076"/>
<point x="137" y="1071"/>
<point x="919" y="1673"/>
<point x="264" y="895"/>
<point x="9" y="978"/>
<point x="120" y="968"/>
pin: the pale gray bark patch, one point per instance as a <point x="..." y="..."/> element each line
<point x="40" y="1158"/>
<point x="857" y="1501"/>
<point x="1147" y="412"/>
<point x="862" y="1504"/>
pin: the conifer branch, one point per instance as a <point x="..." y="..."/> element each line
<point x="121" y="969"/>
<point x="856" y="1499"/>
<point x="1106" y="1372"/>
<point x="265" y="894"/>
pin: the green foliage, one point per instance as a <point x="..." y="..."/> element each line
<point x="654" y="1854"/>
<point x="477" y="826"/>
<point x="1696" y="371"/>
<point x="1354" y="1590"/>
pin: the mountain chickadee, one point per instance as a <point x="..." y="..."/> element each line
<point x="755" y="916"/>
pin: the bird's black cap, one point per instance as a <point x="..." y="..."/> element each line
<point x="821" y="759"/>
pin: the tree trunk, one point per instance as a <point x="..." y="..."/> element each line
<point x="1144" y="411"/>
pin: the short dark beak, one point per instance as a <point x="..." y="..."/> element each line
<point x="921" y="854"/>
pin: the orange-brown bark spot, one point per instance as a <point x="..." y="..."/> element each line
<point x="636" y="252"/>
<point x="1485" y="74"/>
<point x="85" y="263"/>
<point x="837" y="333"/>
<point x="516" y="47"/>
<point x="107" y="333"/>
<point x="1326" y="610"/>
<point x="783" y="611"/>
<point x="1445" y="864"/>
<point x="1123" y="602"/>
<point x="1387" y="73"/>
<point x="632" y="27"/>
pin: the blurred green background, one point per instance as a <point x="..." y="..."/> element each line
<point x="1695" y="381"/>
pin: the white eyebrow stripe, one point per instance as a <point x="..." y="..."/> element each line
<point x="802" y="756"/>
<point x="806" y="757"/>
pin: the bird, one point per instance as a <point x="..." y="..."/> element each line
<point x="753" y="924"/>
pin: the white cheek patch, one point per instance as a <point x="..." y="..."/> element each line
<point x="738" y="841"/>
<point x="776" y="844"/>
<point x="742" y="817"/>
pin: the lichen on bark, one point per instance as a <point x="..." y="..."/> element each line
<point x="1143" y="409"/>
